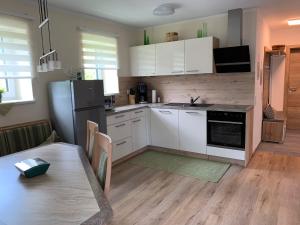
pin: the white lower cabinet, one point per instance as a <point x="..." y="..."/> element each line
<point x="192" y="131"/>
<point x="121" y="148"/>
<point x="128" y="132"/>
<point x="226" y="153"/>
<point x="139" y="133"/>
<point x="164" y="128"/>
<point x="119" y="131"/>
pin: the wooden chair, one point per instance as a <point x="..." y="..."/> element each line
<point x="102" y="160"/>
<point x="92" y="128"/>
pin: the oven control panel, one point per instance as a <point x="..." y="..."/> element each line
<point x="226" y="116"/>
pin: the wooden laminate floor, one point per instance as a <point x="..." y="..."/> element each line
<point x="265" y="193"/>
<point x="291" y="145"/>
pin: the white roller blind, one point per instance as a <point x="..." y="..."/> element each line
<point x="99" y="52"/>
<point x="100" y="60"/>
<point x="15" y="55"/>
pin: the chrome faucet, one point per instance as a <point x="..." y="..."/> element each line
<point x="194" y="100"/>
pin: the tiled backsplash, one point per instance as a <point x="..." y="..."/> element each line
<point x="212" y="88"/>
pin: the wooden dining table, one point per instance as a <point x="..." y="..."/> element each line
<point x="68" y="193"/>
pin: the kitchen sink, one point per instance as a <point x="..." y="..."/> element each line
<point x="188" y="105"/>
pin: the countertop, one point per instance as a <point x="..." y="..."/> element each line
<point x="214" y="107"/>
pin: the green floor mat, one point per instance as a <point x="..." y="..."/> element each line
<point x="182" y="165"/>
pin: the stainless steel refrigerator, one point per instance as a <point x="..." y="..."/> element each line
<point x="72" y="103"/>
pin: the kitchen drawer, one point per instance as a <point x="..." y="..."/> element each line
<point x="138" y="113"/>
<point x="121" y="148"/>
<point x="119" y="131"/>
<point x="118" y="118"/>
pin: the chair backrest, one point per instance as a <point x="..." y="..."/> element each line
<point x="102" y="160"/>
<point x="91" y="129"/>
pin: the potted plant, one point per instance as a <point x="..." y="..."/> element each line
<point x="2" y="90"/>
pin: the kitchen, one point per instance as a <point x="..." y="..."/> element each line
<point x="182" y="100"/>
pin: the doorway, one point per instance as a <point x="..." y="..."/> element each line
<point x="293" y="89"/>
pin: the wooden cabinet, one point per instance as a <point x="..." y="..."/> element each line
<point x="274" y="130"/>
<point x="170" y="58"/>
<point x="139" y="133"/>
<point x="164" y="128"/>
<point x="142" y="60"/>
<point x="199" y="55"/>
<point x="192" y="131"/>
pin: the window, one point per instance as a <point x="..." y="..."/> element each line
<point x="100" y="61"/>
<point x="15" y="60"/>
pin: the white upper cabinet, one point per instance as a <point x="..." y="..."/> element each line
<point x="142" y="59"/>
<point x="199" y="55"/>
<point x="193" y="56"/>
<point x="170" y="58"/>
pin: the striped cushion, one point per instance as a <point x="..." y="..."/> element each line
<point x="102" y="169"/>
<point x="4" y="150"/>
<point x="20" y="138"/>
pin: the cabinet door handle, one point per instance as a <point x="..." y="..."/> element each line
<point x="121" y="125"/>
<point x="164" y="111"/>
<point x="122" y="143"/>
<point x="120" y="116"/>
<point x="191" y="113"/>
<point x="138" y="112"/>
<point x="225" y="122"/>
<point x="135" y="121"/>
<point x="177" y="71"/>
<point x="292" y="89"/>
<point x="192" y="71"/>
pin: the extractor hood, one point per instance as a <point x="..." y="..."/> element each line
<point x="236" y="57"/>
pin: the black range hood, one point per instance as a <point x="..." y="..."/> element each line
<point x="236" y="57"/>
<point x="232" y="59"/>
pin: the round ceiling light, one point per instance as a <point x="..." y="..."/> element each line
<point x="164" y="10"/>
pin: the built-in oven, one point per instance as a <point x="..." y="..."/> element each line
<point x="226" y="129"/>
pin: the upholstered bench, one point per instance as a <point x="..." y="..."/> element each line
<point x="23" y="136"/>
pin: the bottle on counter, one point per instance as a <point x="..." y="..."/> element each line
<point x="158" y="99"/>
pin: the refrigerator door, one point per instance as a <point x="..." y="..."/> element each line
<point x="87" y="93"/>
<point x="61" y="112"/>
<point x="96" y="115"/>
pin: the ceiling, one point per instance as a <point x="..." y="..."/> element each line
<point x="139" y="12"/>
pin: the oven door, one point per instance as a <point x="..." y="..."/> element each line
<point x="226" y="134"/>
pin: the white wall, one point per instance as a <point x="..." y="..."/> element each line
<point x="277" y="82"/>
<point x="66" y="40"/>
<point x="216" y="26"/>
<point x="262" y="40"/>
<point x="288" y="36"/>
